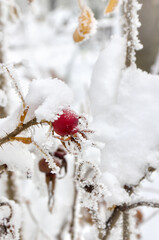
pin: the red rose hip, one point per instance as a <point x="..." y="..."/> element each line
<point x="66" y="124"/>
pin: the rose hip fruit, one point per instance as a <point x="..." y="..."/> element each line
<point x="67" y="123"/>
<point x="43" y="166"/>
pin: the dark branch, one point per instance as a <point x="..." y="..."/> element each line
<point x="18" y="130"/>
<point x="126" y="207"/>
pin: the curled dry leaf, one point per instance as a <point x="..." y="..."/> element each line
<point x="86" y="25"/>
<point x="111" y="6"/>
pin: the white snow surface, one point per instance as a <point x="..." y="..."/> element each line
<point x="46" y="98"/>
<point x="17" y="157"/>
<point x="125" y="106"/>
<point x="3" y="98"/>
<point x="106" y="75"/>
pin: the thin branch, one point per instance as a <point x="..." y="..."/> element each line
<point x="18" y="130"/>
<point x="72" y="224"/>
<point x="117" y="212"/>
<point x="127" y="11"/>
<point x="12" y="191"/>
<point x="112" y="221"/>
<point x="126" y="231"/>
<point x="126" y="207"/>
<point x="15" y="85"/>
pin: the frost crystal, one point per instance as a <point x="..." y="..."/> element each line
<point x="131" y="25"/>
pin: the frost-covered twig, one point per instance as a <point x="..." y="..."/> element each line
<point x="3" y="23"/>
<point x="72" y="224"/>
<point x="11" y="186"/>
<point x="131" y="25"/>
<point x="113" y="219"/>
<point x="15" y="84"/>
<point x="126" y="232"/>
<point x="18" y="130"/>
<point x="48" y="158"/>
<point x="74" y="206"/>
<point x="126" y="207"/>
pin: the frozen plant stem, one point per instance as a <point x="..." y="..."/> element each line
<point x="3" y="20"/>
<point x="73" y="220"/>
<point x="113" y="219"/>
<point x="72" y="225"/>
<point x="11" y="186"/>
<point x="126" y="232"/>
<point x="128" y="31"/>
<point x="126" y="207"/>
<point x="18" y="130"/>
<point x="131" y="24"/>
<point x="111" y="222"/>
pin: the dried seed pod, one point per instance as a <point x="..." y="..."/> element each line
<point x="50" y="178"/>
<point x="86" y="25"/>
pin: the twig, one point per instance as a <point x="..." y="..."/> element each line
<point x="127" y="11"/>
<point x="48" y="158"/>
<point x="117" y="212"/>
<point x="11" y="187"/>
<point x="126" y="232"/>
<point x="126" y="207"/>
<point x="18" y="130"/>
<point x="15" y="85"/>
<point x="112" y="221"/>
<point x="72" y="224"/>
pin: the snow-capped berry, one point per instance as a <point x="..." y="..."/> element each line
<point x="67" y="123"/>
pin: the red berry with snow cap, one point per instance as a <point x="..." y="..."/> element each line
<point x="67" y="123"/>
